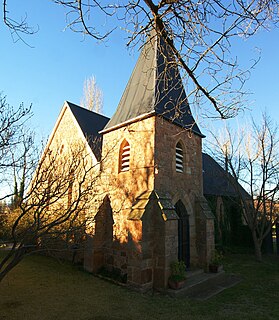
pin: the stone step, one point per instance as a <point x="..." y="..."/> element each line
<point x="202" y="286"/>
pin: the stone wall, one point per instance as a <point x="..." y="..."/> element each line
<point x="167" y="179"/>
<point x="66" y="154"/>
<point x="187" y="185"/>
<point x="67" y="134"/>
<point x="143" y="248"/>
<point x="205" y="235"/>
<point x="126" y="252"/>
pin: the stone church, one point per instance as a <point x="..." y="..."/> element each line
<point x="152" y="210"/>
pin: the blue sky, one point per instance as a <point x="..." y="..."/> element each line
<point x="54" y="69"/>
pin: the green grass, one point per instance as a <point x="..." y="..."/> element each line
<point x="43" y="288"/>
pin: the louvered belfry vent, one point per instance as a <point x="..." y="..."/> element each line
<point x="125" y="157"/>
<point x="179" y="157"/>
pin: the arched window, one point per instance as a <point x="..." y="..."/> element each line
<point x="124" y="156"/>
<point x="179" y="157"/>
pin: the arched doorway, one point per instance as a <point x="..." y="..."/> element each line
<point x="183" y="233"/>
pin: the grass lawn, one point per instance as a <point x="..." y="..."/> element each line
<point x="43" y="288"/>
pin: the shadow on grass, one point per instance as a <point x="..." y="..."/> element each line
<point x="43" y="288"/>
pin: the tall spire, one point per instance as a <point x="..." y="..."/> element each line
<point x="155" y="87"/>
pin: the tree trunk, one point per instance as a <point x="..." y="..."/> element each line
<point x="10" y="265"/>
<point x="257" y="246"/>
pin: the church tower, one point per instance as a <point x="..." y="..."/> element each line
<point x="152" y="176"/>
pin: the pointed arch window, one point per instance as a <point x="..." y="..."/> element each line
<point x="179" y="161"/>
<point x="124" y="156"/>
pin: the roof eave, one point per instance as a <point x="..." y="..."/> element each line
<point x="117" y="126"/>
<point x="183" y="126"/>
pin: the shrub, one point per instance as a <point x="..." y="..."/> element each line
<point x="217" y="258"/>
<point x="178" y="271"/>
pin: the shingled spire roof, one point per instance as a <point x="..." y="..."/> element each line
<point x="155" y="87"/>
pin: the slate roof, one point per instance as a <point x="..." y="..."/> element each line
<point x="155" y="87"/>
<point x="215" y="179"/>
<point x="90" y="123"/>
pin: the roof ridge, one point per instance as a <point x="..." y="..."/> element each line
<point x="85" y="109"/>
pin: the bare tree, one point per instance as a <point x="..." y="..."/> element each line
<point x="11" y="135"/>
<point x="199" y="35"/>
<point x="25" y="161"/>
<point x="92" y="95"/>
<point x="51" y="192"/>
<point x="252" y="157"/>
<point x="53" y="211"/>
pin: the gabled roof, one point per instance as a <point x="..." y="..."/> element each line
<point x="90" y="123"/>
<point x="162" y="199"/>
<point x="155" y="87"/>
<point x="216" y="181"/>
